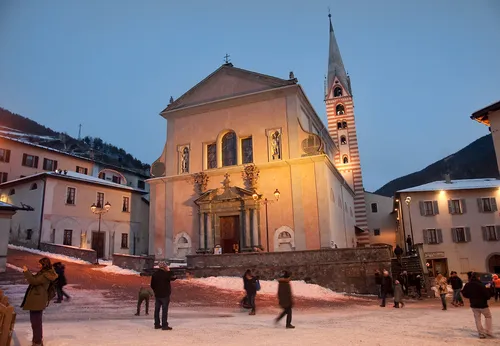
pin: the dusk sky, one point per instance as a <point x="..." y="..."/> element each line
<point x="418" y="68"/>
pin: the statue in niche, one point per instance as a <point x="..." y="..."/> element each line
<point x="185" y="160"/>
<point x="276" y="145"/>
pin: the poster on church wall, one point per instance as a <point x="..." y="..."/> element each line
<point x="217" y="250"/>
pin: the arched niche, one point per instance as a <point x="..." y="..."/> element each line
<point x="182" y="245"/>
<point x="284" y="239"/>
<point x="337" y="92"/>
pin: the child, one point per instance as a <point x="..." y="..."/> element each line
<point x="144" y="294"/>
<point x="398" y="294"/>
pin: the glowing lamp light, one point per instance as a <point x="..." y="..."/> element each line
<point x="93" y="207"/>
<point x="107" y="206"/>
<point x="277" y="194"/>
<point x="255" y="196"/>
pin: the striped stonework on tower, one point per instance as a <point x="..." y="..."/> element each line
<point x="342" y="128"/>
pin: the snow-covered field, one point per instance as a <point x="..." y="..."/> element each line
<point x="357" y="326"/>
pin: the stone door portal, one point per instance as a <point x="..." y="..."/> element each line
<point x="229" y="233"/>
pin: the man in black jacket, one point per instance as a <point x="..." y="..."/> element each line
<point x="160" y="283"/>
<point x="387" y="287"/>
<point x="478" y="295"/>
<point x="456" y="285"/>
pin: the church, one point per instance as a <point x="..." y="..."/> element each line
<point x="249" y="166"/>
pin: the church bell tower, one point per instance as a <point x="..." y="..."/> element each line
<point x="342" y="128"/>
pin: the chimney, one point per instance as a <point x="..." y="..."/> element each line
<point x="447" y="178"/>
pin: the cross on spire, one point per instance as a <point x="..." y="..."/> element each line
<point x="226" y="59"/>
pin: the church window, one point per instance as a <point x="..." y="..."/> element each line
<point x="344" y="124"/>
<point x="339" y="125"/>
<point x="340" y="109"/>
<point x="343" y="140"/>
<point x="345" y="159"/>
<point x="247" y="150"/>
<point x="337" y="92"/>
<point x="211" y="156"/>
<point x="229" y="149"/>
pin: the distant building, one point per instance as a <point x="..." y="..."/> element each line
<point x="6" y="213"/>
<point x="20" y="158"/>
<point x="490" y="116"/>
<point x="62" y="214"/>
<point x="382" y="223"/>
<point x="457" y="221"/>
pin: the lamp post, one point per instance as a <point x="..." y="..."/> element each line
<point x="99" y="211"/>
<point x="408" y="202"/>
<point x="256" y="197"/>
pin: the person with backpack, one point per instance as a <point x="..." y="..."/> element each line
<point x="41" y="290"/>
<point x="285" y="299"/>
<point x="61" y="282"/>
<point x="252" y="285"/>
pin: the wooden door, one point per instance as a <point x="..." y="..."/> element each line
<point x="229" y="233"/>
<point x="98" y="243"/>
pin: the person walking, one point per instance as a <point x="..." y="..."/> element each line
<point x="250" y="285"/>
<point x="478" y="296"/>
<point x="59" y="268"/>
<point x="37" y="297"/>
<point x="285" y="299"/>
<point x="457" y="285"/>
<point x="398" y="295"/>
<point x="418" y="286"/>
<point x="160" y="284"/>
<point x="144" y="295"/>
<point x="442" y="288"/>
<point x="496" y="283"/>
<point x="403" y="279"/>
<point x="409" y="243"/>
<point x="387" y="287"/>
<point x="398" y="251"/>
<point x="378" y="283"/>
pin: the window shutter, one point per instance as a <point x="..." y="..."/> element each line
<point x="439" y="235"/>
<point x="454" y="235"/>
<point x="463" y="206"/>
<point x="421" y="206"/>
<point x="36" y="162"/>
<point x="25" y="156"/>
<point x="426" y="239"/>
<point x="493" y="204"/>
<point x="480" y="205"/>
<point x="435" y="207"/>
<point x="450" y="207"/>
<point x="467" y="234"/>
<point x="7" y="155"/>
<point x="55" y="165"/>
<point x="498" y="232"/>
<point x="485" y="232"/>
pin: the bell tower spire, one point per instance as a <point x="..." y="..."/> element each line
<point x="342" y="129"/>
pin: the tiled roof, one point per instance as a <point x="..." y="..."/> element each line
<point x="463" y="184"/>
<point x="73" y="176"/>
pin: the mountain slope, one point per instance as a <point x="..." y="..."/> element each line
<point x="477" y="160"/>
<point x="18" y="126"/>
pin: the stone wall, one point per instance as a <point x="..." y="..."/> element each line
<point x="137" y="263"/>
<point x="341" y="270"/>
<point x="72" y="251"/>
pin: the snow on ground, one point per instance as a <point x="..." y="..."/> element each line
<point x="49" y="254"/>
<point x="372" y="325"/>
<point x="116" y="270"/>
<point x="299" y="288"/>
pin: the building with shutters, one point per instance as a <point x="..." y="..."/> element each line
<point x="456" y="220"/>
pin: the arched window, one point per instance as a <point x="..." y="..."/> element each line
<point x="229" y="149"/>
<point x="34" y="186"/>
<point x="337" y="92"/>
<point x="340" y="109"/>
<point x="345" y="159"/>
<point x="339" y="125"/>
<point x="344" y="124"/>
<point x="343" y="140"/>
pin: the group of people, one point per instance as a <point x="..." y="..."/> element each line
<point x="399" y="288"/>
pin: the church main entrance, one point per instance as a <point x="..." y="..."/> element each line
<point x="230" y="233"/>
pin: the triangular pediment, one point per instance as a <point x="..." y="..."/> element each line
<point x="226" y="82"/>
<point x="224" y="194"/>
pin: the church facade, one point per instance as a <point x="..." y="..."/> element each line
<point x="249" y="166"/>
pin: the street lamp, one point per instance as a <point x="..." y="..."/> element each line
<point x="99" y="211"/>
<point x="408" y="202"/>
<point x="256" y="197"/>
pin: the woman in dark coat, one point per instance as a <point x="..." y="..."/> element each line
<point x="250" y="285"/>
<point x="387" y="288"/>
<point x="36" y="298"/>
<point x="285" y="299"/>
<point x="61" y="282"/>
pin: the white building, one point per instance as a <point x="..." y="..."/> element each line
<point x="381" y="219"/>
<point x="457" y="221"/>
<point x="62" y="213"/>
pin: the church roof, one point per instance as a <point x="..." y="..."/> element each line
<point x="257" y="82"/>
<point x="335" y="64"/>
